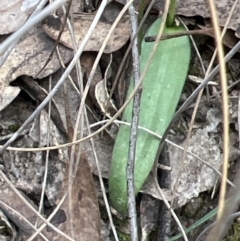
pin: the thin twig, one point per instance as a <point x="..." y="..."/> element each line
<point x="225" y="110"/>
<point x="44" y="183"/>
<point x="134" y="129"/>
<point x="99" y="55"/>
<point x="76" y="130"/>
<point x="76" y="150"/>
<point x="207" y="31"/>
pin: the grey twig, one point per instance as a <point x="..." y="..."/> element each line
<point x="134" y="129"/>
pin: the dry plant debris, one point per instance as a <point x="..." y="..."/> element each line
<point x="120" y="36"/>
<point x="28" y="58"/>
<point x="201" y="8"/>
<point x="26" y="170"/>
<point x="14" y="13"/>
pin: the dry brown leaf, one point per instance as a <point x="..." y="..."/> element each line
<point x="7" y="95"/>
<point x="28" y="58"/>
<point x="229" y="38"/>
<point x="85" y="215"/>
<point x="30" y="55"/>
<point x="10" y="204"/>
<point x="76" y="6"/>
<point x="8" y="227"/>
<point x="189" y="8"/>
<point x="13" y="202"/>
<point x="201" y="8"/>
<point x="14" y="13"/>
<point x="82" y="23"/>
<point x="39" y="94"/>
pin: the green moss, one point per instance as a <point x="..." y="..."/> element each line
<point x="13" y="128"/>
<point x="233" y="233"/>
<point x="124" y="236"/>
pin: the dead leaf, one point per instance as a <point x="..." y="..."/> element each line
<point x="190" y="8"/>
<point x="39" y="94"/>
<point x="201" y="8"/>
<point x="30" y="55"/>
<point x="85" y="215"/>
<point x="28" y="58"/>
<point x="229" y="38"/>
<point x="15" y="209"/>
<point x="76" y="5"/>
<point x="195" y="177"/>
<point x="7" y="95"/>
<point x="14" y="14"/>
<point x="82" y="23"/>
<point x="148" y="215"/>
<point x="10" y="231"/>
<point x="9" y="202"/>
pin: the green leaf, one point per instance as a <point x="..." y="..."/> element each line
<point x="162" y="87"/>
